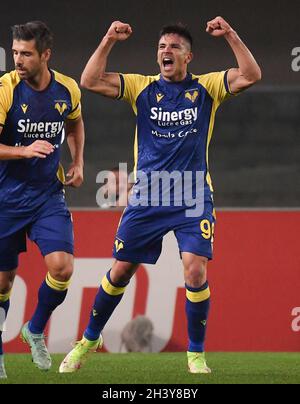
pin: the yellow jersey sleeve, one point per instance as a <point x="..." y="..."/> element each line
<point x="6" y="97"/>
<point x="216" y="85"/>
<point x="75" y="93"/>
<point x="132" y="85"/>
<point x="76" y="105"/>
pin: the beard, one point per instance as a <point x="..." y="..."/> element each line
<point x="26" y="74"/>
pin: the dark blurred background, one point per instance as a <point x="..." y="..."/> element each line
<point x="254" y="155"/>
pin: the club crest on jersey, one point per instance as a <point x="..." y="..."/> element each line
<point x="159" y="97"/>
<point x="24" y="108"/>
<point x="192" y="95"/>
<point x="61" y="107"/>
<point x="119" y="245"/>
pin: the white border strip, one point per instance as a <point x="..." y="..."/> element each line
<point x="220" y="209"/>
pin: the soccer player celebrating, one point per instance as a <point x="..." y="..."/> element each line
<point x="36" y="106"/>
<point x="175" y="116"/>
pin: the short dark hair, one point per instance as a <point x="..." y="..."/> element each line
<point x="179" y="29"/>
<point x="37" y="30"/>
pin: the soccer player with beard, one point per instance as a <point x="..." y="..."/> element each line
<point x="36" y="103"/>
<point x="175" y="113"/>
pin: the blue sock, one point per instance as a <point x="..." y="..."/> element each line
<point x="5" y="307"/>
<point x="197" y="309"/>
<point x="108" y="297"/>
<point x="52" y="293"/>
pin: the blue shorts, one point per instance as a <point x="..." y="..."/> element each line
<point x="50" y="227"/>
<point x="140" y="234"/>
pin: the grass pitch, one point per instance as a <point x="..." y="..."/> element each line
<point x="166" y="368"/>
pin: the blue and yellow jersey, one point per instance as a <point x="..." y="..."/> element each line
<point x="174" y="121"/>
<point x="27" y="115"/>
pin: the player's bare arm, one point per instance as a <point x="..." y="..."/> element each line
<point x="94" y="77"/>
<point x="75" y="139"/>
<point x="40" y="149"/>
<point x="248" y="71"/>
